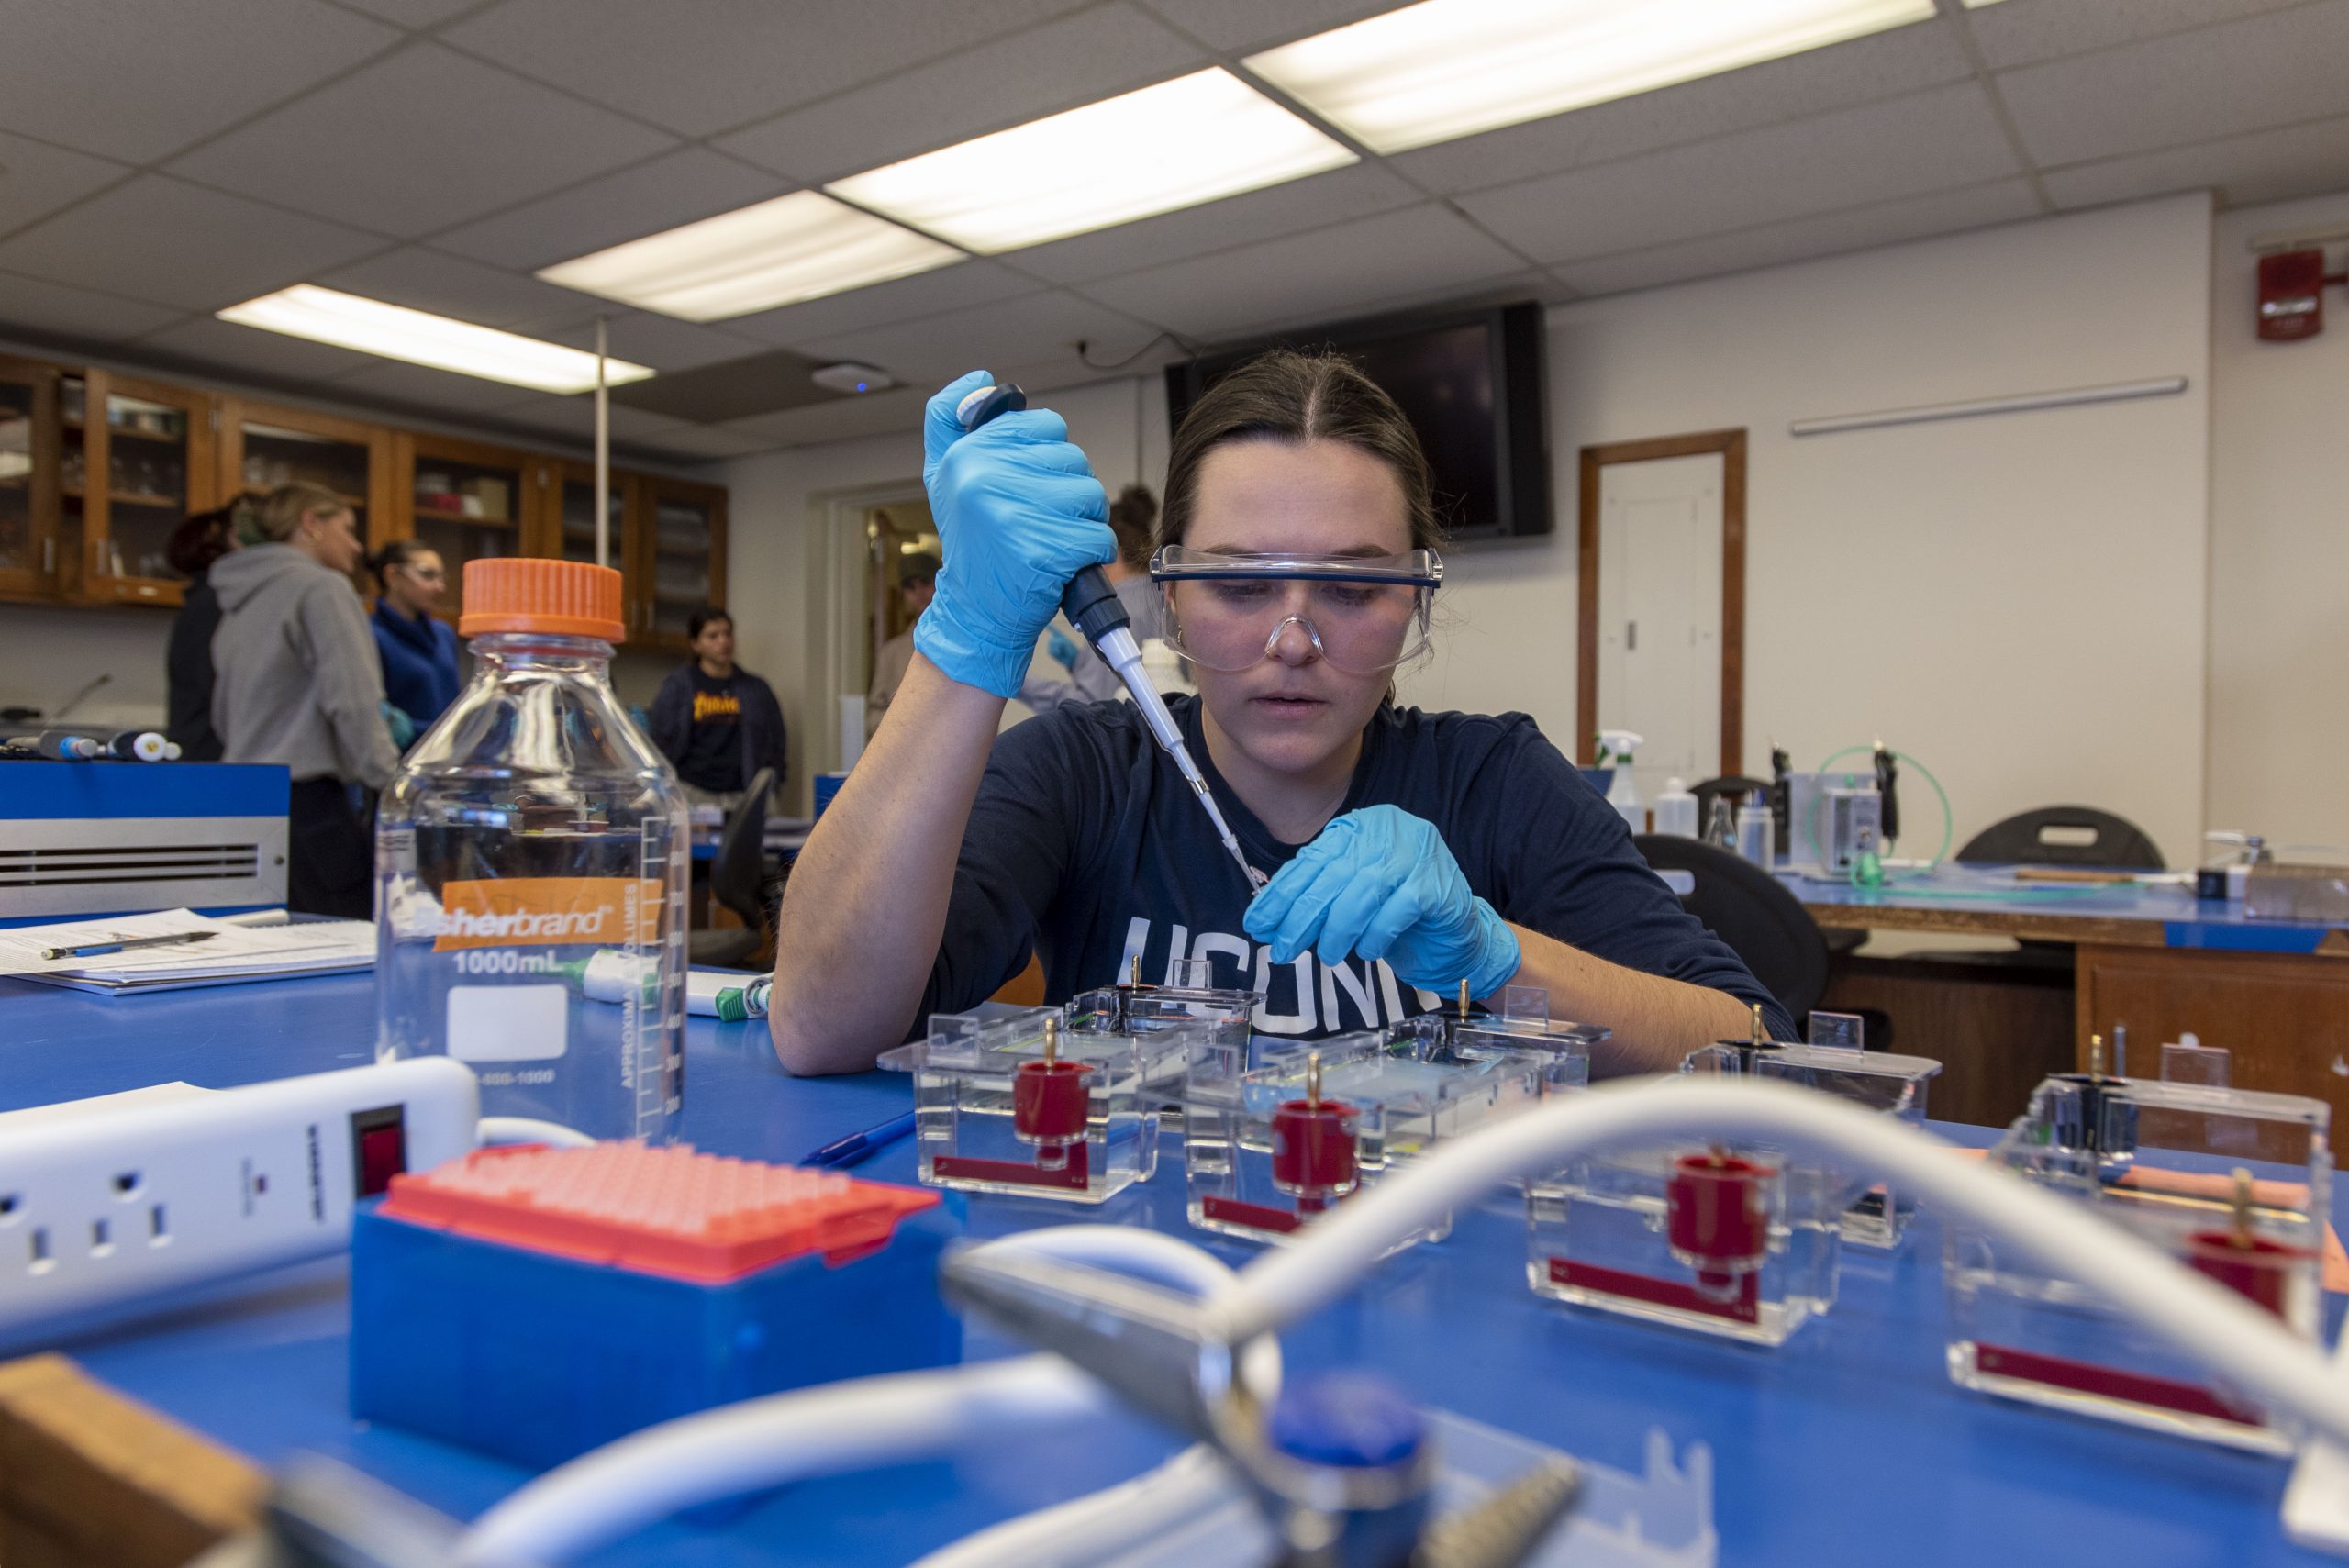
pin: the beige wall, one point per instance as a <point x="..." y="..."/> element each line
<point x="2017" y="599"/>
<point x="2279" y="760"/>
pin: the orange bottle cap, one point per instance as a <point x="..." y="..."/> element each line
<point x="566" y="598"/>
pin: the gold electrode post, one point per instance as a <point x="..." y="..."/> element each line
<point x="1134" y="976"/>
<point x="1051" y="1039"/>
<point x="1464" y="1001"/>
<point x="1760" y="1038"/>
<point x="2096" y="1056"/>
<point x="2242" y="1234"/>
<point x="1313" y="1080"/>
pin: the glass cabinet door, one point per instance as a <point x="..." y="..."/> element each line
<point x="683" y="555"/>
<point x="28" y="479"/>
<point x="466" y="503"/>
<point x="264" y="448"/>
<point x="137" y="462"/>
<point x="578" y="540"/>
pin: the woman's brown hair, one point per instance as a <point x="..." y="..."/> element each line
<point x="280" y="512"/>
<point x="1287" y="397"/>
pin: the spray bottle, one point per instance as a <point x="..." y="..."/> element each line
<point x="1615" y="747"/>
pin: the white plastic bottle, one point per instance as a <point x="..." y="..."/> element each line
<point x="1758" y="831"/>
<point x="532" y="829"/>
<point x="1675" y="811"/>
<point x="1616" y="746"/>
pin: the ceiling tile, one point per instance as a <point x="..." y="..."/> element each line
<point x="877" y="414"/>
<point x="1077" y="60"/>
<point x="2265" y="166"/>
<point x="449" y="285"/>
<point x="575" y="416"/>
<point x="36" y="305"/>
<point x="1883" y="65"/>
<point x="139" y="79"/>
<point x="661" y="342"/>
<point x="414" y="13"/>
<point x="436" y="392"/>
<point x="1306" y="278"/>
<point x="1040" y="326"/>
<point x="166" y="240"/>
<point x="1885" y="223"/>
<point x="1356" y="190"/>
<point x="420" y="140"/>
<point x="36" y="179"/>
<point x="2247" y="76"/>
<point x="701" y="66"/>
<point x="674" y="189"/>
<point x="230" y="350"/>
<point x="924" y="294"/>
<point x="1241" y="27"/>
<point x="1936" y="140"/>
<point x="704" y="442"/>
<point x="2020" y="33"/>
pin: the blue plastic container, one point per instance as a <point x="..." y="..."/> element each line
<point x="538" y="1357"/>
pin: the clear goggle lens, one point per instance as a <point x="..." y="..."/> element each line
<point x="1364" y="615"/>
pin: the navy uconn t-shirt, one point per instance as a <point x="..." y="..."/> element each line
<point x="1086" y="847"/>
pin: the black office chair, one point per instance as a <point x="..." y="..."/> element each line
<point x="2116" y="843"/>
<point x="1753" y="912"/>
<point x="736" y="880"/>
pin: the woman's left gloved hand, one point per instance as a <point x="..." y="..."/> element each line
<point x="1379" y="883"/>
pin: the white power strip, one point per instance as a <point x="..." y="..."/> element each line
<point x="133" y="1201"/>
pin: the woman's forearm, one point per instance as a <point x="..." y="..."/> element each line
<point x="866" y="903"/>
<point x="1654" y="1021"/>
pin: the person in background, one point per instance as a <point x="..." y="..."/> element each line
<point x="1133" y="517"/>
<point x="418" y="649"/>
<point x="716" y="722"/>
<point x="194" y="545"/>
<point x="917" y="581"/>
<point x="297" y="683"/>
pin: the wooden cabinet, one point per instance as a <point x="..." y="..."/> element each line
<point x="135" y="460"/>
<point x="468" y="501"/>
<point x="680" y="564"/>
<point x="98" y="469"/>
<point x="263" y="445"/>
<point x="28" y="450"/>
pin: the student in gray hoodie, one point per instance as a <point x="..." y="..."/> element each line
<point x="297" y="682"/>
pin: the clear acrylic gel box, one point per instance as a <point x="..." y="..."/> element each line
<point x="1874" y="1080"/>
<point x="1186" y="1001"/>
<point x="1028" y="1104"/>
<point x="1734" y="1241"/>
<point x="1265" y="1149"/>
<point x="2231" y="1182"/>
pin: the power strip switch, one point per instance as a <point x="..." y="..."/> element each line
<point x="116" y="1206"/>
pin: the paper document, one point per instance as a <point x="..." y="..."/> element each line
<point x="229" y="952"/>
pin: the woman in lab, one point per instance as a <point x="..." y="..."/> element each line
<point x="1410" y="852"/>
<point x="296" y="684"/>
<point x="418" y="649"/>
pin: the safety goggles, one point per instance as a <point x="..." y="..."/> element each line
<point x="1364" y="615"/>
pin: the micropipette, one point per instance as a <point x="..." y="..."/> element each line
<point x="1092" y="607"/>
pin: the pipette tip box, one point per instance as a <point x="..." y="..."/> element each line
<point x="535" y="1303"/>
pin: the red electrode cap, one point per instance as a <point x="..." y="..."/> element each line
<point x="1714" y="1212"/>
<point x="563" y="598"/>
<point x="1050" y="1101"/>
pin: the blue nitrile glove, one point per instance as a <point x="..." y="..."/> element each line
<point x="1062" y="647"/>
<point x="1379" y="883"/>
<point x="397" y="721"/>
<point x="1019" y="514"/>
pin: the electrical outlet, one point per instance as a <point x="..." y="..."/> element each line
<point x="123" y="1204"/>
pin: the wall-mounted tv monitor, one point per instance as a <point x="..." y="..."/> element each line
<point x="1471" y="383"/>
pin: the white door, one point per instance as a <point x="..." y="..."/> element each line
<point x="1660" y="614"/>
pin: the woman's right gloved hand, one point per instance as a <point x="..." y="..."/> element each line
<point x="1019" y="513"/>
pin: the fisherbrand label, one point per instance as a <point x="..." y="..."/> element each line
<point x="548" y="910"/>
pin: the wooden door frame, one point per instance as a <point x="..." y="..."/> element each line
<point x="1731" y="445"/>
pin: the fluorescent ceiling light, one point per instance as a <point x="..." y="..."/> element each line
<point x="1451" y="68"/>
<point x="802" y="246"/>
<point x="1193" y="140"/>
<point x="421" y="338"/>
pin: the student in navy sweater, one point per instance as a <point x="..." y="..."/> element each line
<point x="1410" y="853"/>
<point x="419" y="650"/>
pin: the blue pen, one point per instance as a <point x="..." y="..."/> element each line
<point x="842" y="1153"/>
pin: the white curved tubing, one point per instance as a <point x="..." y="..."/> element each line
<point x="834" y="1429"/>
<point x="1103" y="1524"/>
<point x="2245" y="1345"/>
<point x="500" y="1131"/>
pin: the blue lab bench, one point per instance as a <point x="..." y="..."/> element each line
<point x="1849" y="1446"/>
